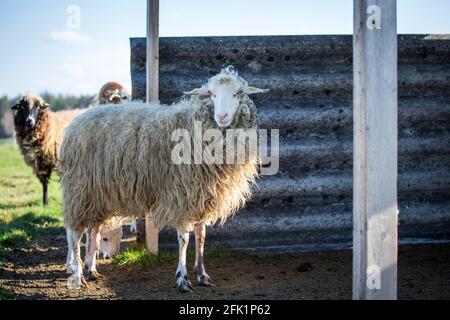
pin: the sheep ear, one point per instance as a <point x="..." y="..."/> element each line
<point x="202" y="92"/>
<point x="16" y="106"/>
<point x="252" y="90"/>
<point x="45" y="106"/>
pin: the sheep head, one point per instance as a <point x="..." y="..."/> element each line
<point x="226" y="91"/>
<point x="110" y="238"/>
<point x="113" y="93"/>
<point x="28" y="110"/>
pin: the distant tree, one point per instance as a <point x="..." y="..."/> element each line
<point x="6" y="118"/>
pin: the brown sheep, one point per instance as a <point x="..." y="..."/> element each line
<point x="39" y="133"/>
<point x="113" y="93"/>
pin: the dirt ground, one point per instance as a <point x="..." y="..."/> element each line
<point x="38" y="272"/>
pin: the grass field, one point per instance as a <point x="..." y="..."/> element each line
<point x="22" y="216"/>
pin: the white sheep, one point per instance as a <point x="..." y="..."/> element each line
<point x="119" y="161"/>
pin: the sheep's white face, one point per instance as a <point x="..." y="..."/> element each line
<point x="113" y="93"/>
<point x="110" y="239"/>
<point x="226" y="90"/>
<point x="117" y="96"/>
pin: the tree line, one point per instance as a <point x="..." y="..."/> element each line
<point x="57" y="102"/>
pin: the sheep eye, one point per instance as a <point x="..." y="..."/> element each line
<point x="105" y="239"/>
<point x="238" y="94"/>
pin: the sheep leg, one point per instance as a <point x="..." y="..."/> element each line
<point x="91" y="254"/>
<point x="76" y="281"/>
<point x="133" y="226"/>
<point x="44" y="182"/>
<point x="70" y="263"/>
<point x="203" y="278"/>
<point x="184" y="285"/>
<point x="88" y="241"/>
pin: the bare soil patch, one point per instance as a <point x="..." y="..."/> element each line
<point x="38" y="272"/>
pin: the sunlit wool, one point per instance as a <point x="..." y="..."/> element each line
<point x="117" y="161"/>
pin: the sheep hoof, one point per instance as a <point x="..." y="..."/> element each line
<point x="205" y="281"/>
<point x="184" y="285"/>
<point x="76" y="282"/>
<point x="84" y="283"/>
<point x="94" y="276"/>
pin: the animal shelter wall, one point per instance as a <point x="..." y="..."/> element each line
<point x="307" y="206"/>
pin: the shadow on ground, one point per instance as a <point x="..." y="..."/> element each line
<point x="15" y="233"/>
<point x="37" y="271"/>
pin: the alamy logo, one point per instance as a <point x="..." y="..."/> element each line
<point x="373" y="277"/>
<point x="374" y="20"/>
<point x="71" y="34"/>
<point x="74" y="18"/>
<point x="236" y="146"/>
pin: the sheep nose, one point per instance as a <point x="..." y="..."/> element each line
<point x="222" y="116"/>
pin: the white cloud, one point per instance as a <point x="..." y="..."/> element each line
<point x="86" y="71"/>
<point x="69" y="37"/>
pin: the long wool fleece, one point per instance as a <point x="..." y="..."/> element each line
<point x="117" y="161"/>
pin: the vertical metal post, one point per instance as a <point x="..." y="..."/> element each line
<point x="375" y="108"/>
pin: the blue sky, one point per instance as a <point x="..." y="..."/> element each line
<point x="38" y="53"/>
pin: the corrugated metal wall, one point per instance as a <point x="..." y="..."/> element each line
<point x="307" y="206"/>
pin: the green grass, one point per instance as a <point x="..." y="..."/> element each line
<point x="5" y="295"/>
<point x="134" y="257"/>
<point x="22" y="216"/>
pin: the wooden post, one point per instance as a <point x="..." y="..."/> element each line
<point x="151" y="232"/>
<point x="375" y="107"/>
<point x="152" y="50"/>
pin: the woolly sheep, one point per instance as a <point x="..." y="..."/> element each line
<point x="112" y="93"/>
<point x="117" y="161"/>
<point x="39" y="133"/>
<point x="111" y="234"/>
